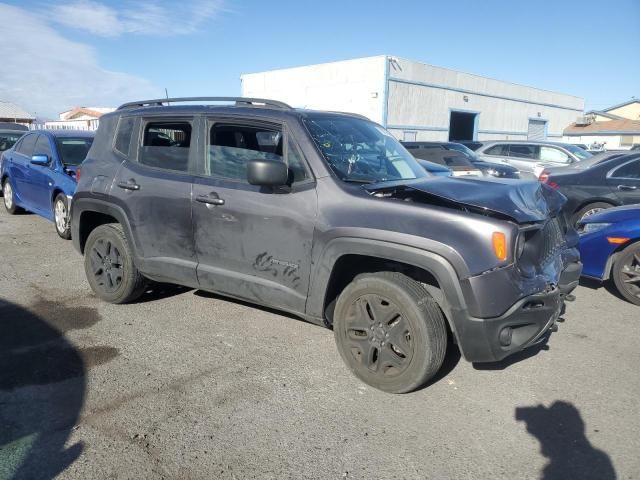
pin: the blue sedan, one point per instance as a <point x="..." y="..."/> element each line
<point x="38" y="174"/>
<point x="610" y="248"/>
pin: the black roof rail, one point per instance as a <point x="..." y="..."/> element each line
<point x="238" y="100"/>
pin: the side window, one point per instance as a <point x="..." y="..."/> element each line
<point x="27" y="144"/>
<point x="550" y="154"/>
<point x="123" y="135"/>
<point x="231" y="147"/>
<point x="523" y="151"/>
<point x="498" y="150"/>
<point x="166" y="145"/>
<point x="629" y="170"/>
<point x="43" y="147"/>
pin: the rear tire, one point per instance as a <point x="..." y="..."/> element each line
<point x="9" y="198"/>
<point x="108" y="264"/>
<point x="589" y="209"/>
<point x="390" y="331"/>
<point x="61" y="216"/>
<point x="626" y="273"/>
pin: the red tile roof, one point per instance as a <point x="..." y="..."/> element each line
<point x="620" y="127"/>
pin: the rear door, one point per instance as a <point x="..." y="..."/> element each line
<point x="624" y="180"/>
<point x="524" y="157"/>
<point x="253" y="242"/>
<point x="153" y="187"/>
<point x="19" y="167"/>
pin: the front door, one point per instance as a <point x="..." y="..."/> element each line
<point x="253" y="242"/>
<point x="154" y="189"/>
<point x="41" y="178"/>
<point x="625" y="182"/>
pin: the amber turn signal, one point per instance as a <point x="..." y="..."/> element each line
<point x="499" y="242"/>
<point x="617" y="240"/>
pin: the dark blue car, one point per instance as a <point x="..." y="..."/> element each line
<point x="610" y="249"/>
<point x="38" y="173"/>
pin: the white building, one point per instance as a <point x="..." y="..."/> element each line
<point x="78" y="118"/>
<point x="421" y="102"/>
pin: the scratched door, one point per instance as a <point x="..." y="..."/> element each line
<point x="253" y="243"/>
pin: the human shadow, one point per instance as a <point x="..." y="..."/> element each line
<point x="42" y="387"/>
<point x="561" y="433"/>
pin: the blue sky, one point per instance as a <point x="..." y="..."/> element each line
<point x="101" y="53"/>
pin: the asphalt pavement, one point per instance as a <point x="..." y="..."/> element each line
<point x="187" y="385"/>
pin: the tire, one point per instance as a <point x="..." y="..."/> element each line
<point x="108" y="264"/>
<point x="626" y="273"/>
<point x="9" y="198"/>
<point x="589" y="209"/>
<point x="61" y="216"/>
<point x="389" y="331"/>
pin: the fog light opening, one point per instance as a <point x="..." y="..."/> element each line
<point x="505" y="336"/>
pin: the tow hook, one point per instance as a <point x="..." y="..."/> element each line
<point x="553" y="328"/>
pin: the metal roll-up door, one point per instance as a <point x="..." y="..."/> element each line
<point x="536" y="130"/>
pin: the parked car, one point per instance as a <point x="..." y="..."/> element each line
<point x="38" y="174"/>
<point x="607" y="180"/>
<point x="10" y="133"/>
<point x="471" y="145"/>
<point x="458" y="163"/>
<point x="435" y="168"/>
<point x="636" y="146"/>
<point x="583" y="146"/>
<point x="610" y="249"/>
<point x="499" y="170"/>
<point x="327" y="216"/>
<point x="529" y="157"/>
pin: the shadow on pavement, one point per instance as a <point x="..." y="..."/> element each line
<point x="561" y="433"/>
<point x="158" y="291"/>
<point x="42" y="385"/>
<point x="516" y="357"/>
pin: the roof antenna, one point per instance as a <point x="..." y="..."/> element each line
<point x="166" y="94"/>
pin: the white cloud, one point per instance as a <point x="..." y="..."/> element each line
<point x="46" y="73"/>
<point x="163" y="18"/>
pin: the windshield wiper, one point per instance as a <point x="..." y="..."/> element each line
<point x="358" y="180"/>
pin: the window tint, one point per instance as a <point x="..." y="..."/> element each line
<point x="42" y="147"/>
<point x="73" y="151"/>
<point x="123" y="136"/>
<point x="27" y="144"/>
<point x="524" y="151"/>
<point x="550" y="154"/>
<point x="498" y="150"/>
<point x="166" y="145"/>
<point x="8" y="140"/>
<point x="630" y="170"/>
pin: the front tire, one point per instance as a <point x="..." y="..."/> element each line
<point x="61" y="216"/>
<point x="589" y="209"/>
<point x="390" y="331"/>
<point x="9" y="198"/>
<point x="108" y="264"/>
<point x="626" y="273"/>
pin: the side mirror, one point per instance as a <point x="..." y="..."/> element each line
<point x="267" y="173"/>
<point x="40" y="159"/>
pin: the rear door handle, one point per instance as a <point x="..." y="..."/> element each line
<point x="129" y="185"/>
<point x="211" y="199"/>
<point x="627" y="187"/>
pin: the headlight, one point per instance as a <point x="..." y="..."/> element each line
<point x="495" y="173"/>
<point x="591" y="227"/>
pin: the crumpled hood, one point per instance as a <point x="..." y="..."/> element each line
<point x="522" y="200"/>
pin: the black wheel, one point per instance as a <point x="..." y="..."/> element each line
<point x="9" y="198"/>
<point x="589" y="209"/>
<point x="61" y="216"/>
<point x="390" y="331"/>
<point x="626" y="273"/>
<point x="108" y="264"/>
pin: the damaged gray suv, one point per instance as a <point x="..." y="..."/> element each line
<point x="324" y="215"/>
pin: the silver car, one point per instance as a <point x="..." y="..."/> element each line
<point x="531" y="157"/>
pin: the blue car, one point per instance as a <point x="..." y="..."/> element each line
<point x="610" y="248"/>
<point x="435" y="168"/>
<point x="38" y="174"/>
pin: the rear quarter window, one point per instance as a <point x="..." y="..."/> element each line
<point x="123" y="135"/>
<point x="498" y="150"/>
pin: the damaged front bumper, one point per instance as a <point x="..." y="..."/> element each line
<point x="521" y="325"/>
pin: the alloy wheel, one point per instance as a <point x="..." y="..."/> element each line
<point x="630" y="274"/>
<point x="379" y="336"/>
<point x="106" y="265"/>
<point x="60" y="213"/>
<point x="7" y="192"/>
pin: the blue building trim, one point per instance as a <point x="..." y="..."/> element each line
<point x="385" y="100"/>
<point x="471" y="92"/>
<point x="418" y="127"/>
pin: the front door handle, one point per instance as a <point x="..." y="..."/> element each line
<point x="129" y="185"/>
<point x="211" y="199"/>
<point x="627" y="187"/>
